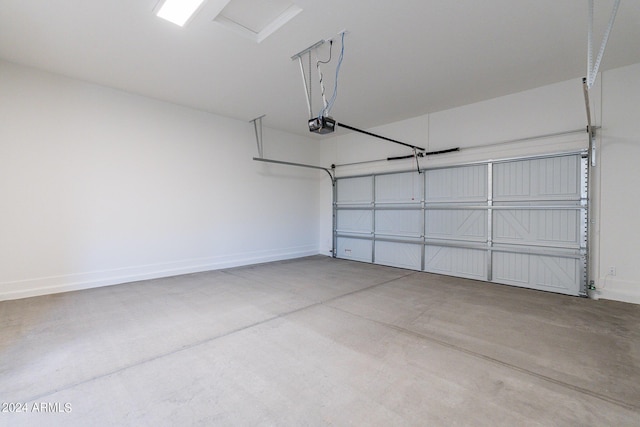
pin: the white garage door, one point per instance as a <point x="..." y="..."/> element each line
<point x="518" y="222"/>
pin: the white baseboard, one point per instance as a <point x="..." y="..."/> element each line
<point x="87" y="280"/>
<point x="618" y="290"/>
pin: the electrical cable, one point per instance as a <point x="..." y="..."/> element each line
<point x="332" y="100"/>
<point x="324" y="111"/>
<point x="330" y="50"/>
<point x="324" y="98"/>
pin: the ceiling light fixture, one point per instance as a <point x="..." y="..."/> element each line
<point x="178" y="11"/>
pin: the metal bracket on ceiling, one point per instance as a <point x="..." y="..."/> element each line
<point x="257" y="126"/>
<point x="307" y="82"/>
<point x="592" y="71"/>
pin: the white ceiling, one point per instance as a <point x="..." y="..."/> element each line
<point x="403" y="58"/>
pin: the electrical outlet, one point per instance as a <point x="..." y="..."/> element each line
<point x="612" y="271"/>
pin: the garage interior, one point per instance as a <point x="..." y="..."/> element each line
<point x="178" y="248"/>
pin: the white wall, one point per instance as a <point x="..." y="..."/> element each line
<point x="620" y="185"/>
<point x="101" y="187"/>
<point x="615" y="103"/>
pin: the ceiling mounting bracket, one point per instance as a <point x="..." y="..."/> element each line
<point x="307" y="81"/>
<point x="257" y="126"/>
<point x="592" y="68"/>
<point x="592" y="71"/>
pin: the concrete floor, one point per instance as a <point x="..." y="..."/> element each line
<point x="319" y="341"/>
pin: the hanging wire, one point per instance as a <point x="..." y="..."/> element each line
<point x="324" y="111"/>
<point x="325" y="105"/>
<point x="330" y="52"/>
<point x="324" y="98"/>
<point x="335" y="88"/>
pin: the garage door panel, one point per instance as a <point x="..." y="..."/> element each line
<point x="402" y="255"/>
<point x="399" y="188"/>
<point x="355" y="190"/>
<point x="407" y="223"/>
<point x="455" y="185"/>
<point x="550" y="227"/>
<point x="512" y="180"/>
<point x="557" y="177"/>
<point x="553" y="178"/>
<point x="354" y="221"/>
<point x="354" y="249"/>
<point x="462" y="262"/>
<point x="556" y="273"/>
<point x="511" y="268"/>
<point x="549" y="273"/>
<point x="461" y="224"/>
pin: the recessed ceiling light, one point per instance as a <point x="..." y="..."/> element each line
<point x="178" y="11"/>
